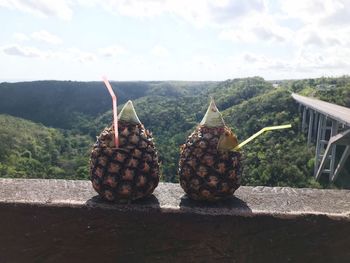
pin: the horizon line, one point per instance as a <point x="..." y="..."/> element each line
<point x="11" y="80"/>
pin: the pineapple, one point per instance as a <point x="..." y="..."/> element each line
<point x="131" y="171"/>
<point x="208" y="168"/>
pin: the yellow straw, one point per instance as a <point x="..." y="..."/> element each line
<point x="260" y="132"/>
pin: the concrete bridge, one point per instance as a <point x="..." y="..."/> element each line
<point x="328" y="126"/>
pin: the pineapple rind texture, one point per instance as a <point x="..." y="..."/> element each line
<point x="126" y="173"/>
<point x="205" y="172"/>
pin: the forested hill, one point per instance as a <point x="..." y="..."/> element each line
<point x="32" y="150"/>
<point x="79" y="111"/>
<point x="62" y="104"/>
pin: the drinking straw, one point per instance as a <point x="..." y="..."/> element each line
<point x="115" y="116"/>
<point x="260" y="132"/>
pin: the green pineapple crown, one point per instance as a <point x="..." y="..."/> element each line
<point x="212" y="117"/>
<point x="128" y="114"/>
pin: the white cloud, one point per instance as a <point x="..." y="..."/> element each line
<point x="46" y="37"/>
<point x="80" y="55"/>
<point x="67" y="54"/>
<point x="340" y="16"/>
<point x="42" y="8"/>
<point x="318" y="45"/>
<point x="159" y="51"/>
<point x="262" y="62"/>
<point x="329" y="58"/>
<point x="20" y="37"/>
<point x="322" y="43"/>
<point x="251" y="58"/>
<point x="270" y="37"/>
<point x="306" y="63"/>
<point x="16" y="50"/>
<point x="225" y="11"/>
<point x="112" y="51"/>
<point x="203" y="63"/>
<point x="214" y="13"/>
<point x="136" y="8"/>
<point x="197" y="12"/>
<point x="320" y="38"/>
<point x="42" y="36"/>
<point x="267" y="33"/>
<point x="138" y="61"/>
<point x="311" y="11"/>
<point x="72" y="54"/>
<point x="260" y="27"/>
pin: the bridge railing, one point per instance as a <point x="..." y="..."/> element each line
<point x="64" y="221"/>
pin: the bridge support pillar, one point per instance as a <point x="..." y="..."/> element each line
<point x="311" y="121"/>
<point x="334" y="131"/>
<point x="315" y="128"/>
<point x="303" y="124"/>
<point x="319" y="144"/>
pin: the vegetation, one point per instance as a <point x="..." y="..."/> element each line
<point x="72" y="104"/>
<point x="31" y="150"/>
<point x="77" y="112"/>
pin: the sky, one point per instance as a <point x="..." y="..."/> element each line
<point x="173" y="39"/>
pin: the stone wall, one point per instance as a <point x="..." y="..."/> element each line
<point x="64" y="221"/>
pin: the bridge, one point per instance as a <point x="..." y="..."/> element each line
<point x="328" y="126"/>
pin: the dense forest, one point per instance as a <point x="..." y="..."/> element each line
<point x="48" y="127"/>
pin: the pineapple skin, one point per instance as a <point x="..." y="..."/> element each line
<point x="206" y="173"/>
<point x="126" y="173"/>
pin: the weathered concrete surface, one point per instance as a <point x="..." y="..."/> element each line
<point x="170" y="198"/>
<point x="64" y="221"/>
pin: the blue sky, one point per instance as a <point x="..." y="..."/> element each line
<point x="173" y="39"/>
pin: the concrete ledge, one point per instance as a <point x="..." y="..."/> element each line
<point x="65" y="221"/>
<point x="282" y="202"/>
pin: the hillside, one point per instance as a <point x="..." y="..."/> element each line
<point x="67" y="104"/>
<point x="32" y="150"/>
<point x="171" y="110"/>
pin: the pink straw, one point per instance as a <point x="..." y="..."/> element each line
<point x="115" y="116"/>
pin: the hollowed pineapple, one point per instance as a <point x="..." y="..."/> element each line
<point x="208" y="168"/>
<point x="130" y="171"/>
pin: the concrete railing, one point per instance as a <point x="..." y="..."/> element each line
<point x="64" y="221"/>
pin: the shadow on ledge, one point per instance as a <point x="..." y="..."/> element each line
<point x="144" y="203"/>
<point x="233" y="204"/>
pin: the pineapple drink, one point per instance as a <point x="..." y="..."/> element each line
<point x="129" y="171"/>
<point x="208" y="168"/>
